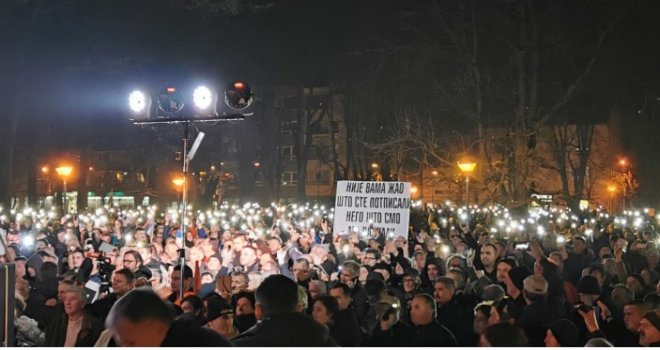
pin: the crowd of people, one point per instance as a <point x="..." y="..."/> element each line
<point x="280" y="276"/>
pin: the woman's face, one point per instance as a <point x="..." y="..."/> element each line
<point x="320" y="313"/>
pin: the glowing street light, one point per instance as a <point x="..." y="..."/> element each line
<point x="178" y="182"/>
<point x="611" y="189"/>
<point x="44" y="170"/>
<point x="623" y="162"/>
<point x="374" y="165"/>
<point x="467" y="167"/>
<point x="64" y="172"/>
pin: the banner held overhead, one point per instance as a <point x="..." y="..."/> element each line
<point x="361" y="206"/>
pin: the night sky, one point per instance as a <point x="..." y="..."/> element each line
<point x="83" y="57"/>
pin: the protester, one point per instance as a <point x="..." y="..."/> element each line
<point x="141" y="318"/>
<point x="279" y="323"/>
<point x="75" y="327"/>
<point x="595" y="272"/>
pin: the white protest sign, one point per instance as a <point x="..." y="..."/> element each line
<point x="363" y="205"/>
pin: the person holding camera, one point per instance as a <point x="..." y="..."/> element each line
<point x="123" y="281"/>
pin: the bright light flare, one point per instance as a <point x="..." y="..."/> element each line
<point x="202" y="97"/>
<point x="137" y="101"/>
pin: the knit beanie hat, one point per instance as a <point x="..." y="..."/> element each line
<point x="588" y="285"/>
<point x="518" y="275"/>
<point x="565" y="332"/>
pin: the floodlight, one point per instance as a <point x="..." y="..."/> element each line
<point x="170" y="101"/>
<point x="137" y="101"/>
<point x="238" y="95"/>
<point x="202" y="97"/>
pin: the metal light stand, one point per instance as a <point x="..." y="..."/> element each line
<point x="186" y="162"/>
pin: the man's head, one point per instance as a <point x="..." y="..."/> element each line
<point x="238" y="242"/>
<point x="371" y="257"/>
<point x="245" y="303"/>
<point x="410" y="280"/>
<point x="444" y="290"/>
<point x="535" y="289"/>
<point x="274" y="244"/>
<point x="621" y="295"/>
<point x="139" y="318"/>
<point x="588" y="290"/>
<point x="434" y="269"/>
<point x="349" y="273"/>
<point x="579" y="244"/>
<point x="458" y="275"/>
<point x="342" y="293"/>
<point x="20" y="262"/>
<point x="503" y="267"/>
<point x="74" y="300"/>
<point x="317" y="288"/>
<point x="175" y="279"/>
<point x="76" y="257"/>
<point x="248" y="256"/>
<point x="300" y="269"/>
<point x="132" y="260"/>
<point x="123" y="281"/>
<point x="649" y="328"/>
<point x="275" y="294"/>
<point x="488" y="255"/>
<point x="422" y="310"/>
<point x="633" y="312"/>
<point x="239" y="282"/>
<point x="384" y="269"/>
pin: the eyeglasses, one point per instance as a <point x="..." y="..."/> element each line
<point x="129" y="261"/>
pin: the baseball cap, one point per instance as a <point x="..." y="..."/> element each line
<point x="218" y="307"/>
<point x="535" y="284"/>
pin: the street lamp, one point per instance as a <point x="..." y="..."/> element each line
<point x="435" y="180"/>
<point x="178" y="182"/>
<point x="467" y="167"/>
<point x="611" y="188"/>
<point x="64" y="172"/>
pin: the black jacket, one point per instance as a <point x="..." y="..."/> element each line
<point x="101" y="308"/>
<point x="286" y="329"/>
<point x="432" y="334"/>
<point x="186" y="332"/>
<point x="346" y="329"/>
<point x="398" y="335"/>
<point x="451" y="316"/>
<point x="533" y="322"/>
<point x="89" y="331"/>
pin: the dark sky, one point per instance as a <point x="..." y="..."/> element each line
<point x="86" y="55"/>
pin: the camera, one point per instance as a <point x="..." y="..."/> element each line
<point x="105" y="269"/>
